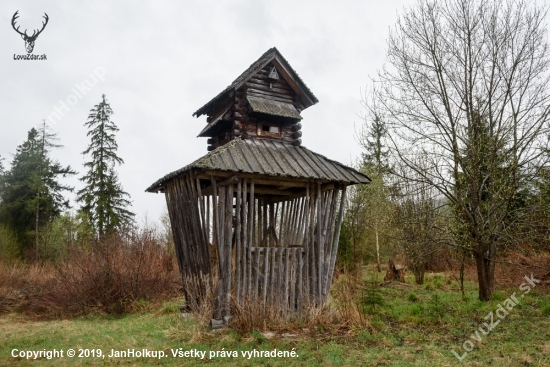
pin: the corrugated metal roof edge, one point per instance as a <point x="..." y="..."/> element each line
<point x="196" y="164"/>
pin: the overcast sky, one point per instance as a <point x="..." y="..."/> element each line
<point x="162" y="60"/>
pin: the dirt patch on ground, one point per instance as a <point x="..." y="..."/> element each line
<point x="512" y="269"/>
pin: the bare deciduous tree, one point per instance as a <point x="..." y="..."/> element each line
<point x="421" y="225"/>
<point x="466" y="87"/>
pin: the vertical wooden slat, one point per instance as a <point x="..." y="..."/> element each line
<point x="208" y="219"/>
<point x="198" y="210"/>
<point x="320" y="254"/>
<point x="215" y="219"/>
<point x="271" y="224"/>
<point x="256" y="226"/>
<point x="292" y="239"/>
<point x="202" y="209"/>
<point x="256" y="280"/>
<point x="221" y="244"/>
<point x="285" y="242"/>
<point x="181" y="211"/>
<point x="192" y="266"/>
<point x="264" y="223"/>
<point x="281" y="223"/>
<point x="228" y="244"/>
<point x="259" y="230"/>
<point x="329" y="240"/>
<point x="272" y="275"/>
<point x="301" y="222"/>
<point x="313" y="245"/>
<point x="280" y="277"/>
<point x="300" y="280"/>
<point x="251" y="223"/>
<point x="307" y="242"/>
<point x="244" y="240"/>
<point x="337" y="235"/>
<point x="286" y="281"/>
<point x="266" y="275"/>
<point x="221" y="229"/>
<point x="293" y="262"/>
<point x="238" y="249"/>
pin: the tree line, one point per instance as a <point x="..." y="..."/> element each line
<point x="456" y="139"/>
<point x="35" y="218"/>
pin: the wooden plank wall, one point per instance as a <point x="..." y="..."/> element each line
<point x="260" y="86"/>
<point x="278" y="253"/>
<point x="191" y="244"/>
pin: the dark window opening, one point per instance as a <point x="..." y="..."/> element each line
<point x="265" y="127"/>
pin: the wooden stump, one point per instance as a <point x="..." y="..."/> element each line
<point x="394" y="273"/>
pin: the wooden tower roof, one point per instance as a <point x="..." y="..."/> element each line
<point x="270" y="158"/>
<point x="284" y="69"/>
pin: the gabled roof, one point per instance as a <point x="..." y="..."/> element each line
<point x="270" y="158"/>
<point x="285" y="70"/>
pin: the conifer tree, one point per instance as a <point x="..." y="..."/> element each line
<point x="375" y="156"/>
<point x="103" y="200"/>
<point x="31" y="194"/>
<point x="369" y="207"/>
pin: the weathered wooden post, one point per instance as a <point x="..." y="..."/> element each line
<point x="257" y="218"/>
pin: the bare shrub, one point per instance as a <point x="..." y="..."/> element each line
<point x="21" y="286"/>
<point x="110" y="278"/>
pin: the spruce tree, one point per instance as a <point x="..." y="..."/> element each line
<point x="103" y="200"/>
<point x="31" y="194"/>
<point x="375" y="157"/>
<point x="374" y="198"/>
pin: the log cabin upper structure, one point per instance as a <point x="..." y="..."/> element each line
<point x="258" y="217"/>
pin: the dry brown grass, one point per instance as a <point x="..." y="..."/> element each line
<point x="340" y="314"/>
<point x="121" y="274"/>
<point x="21" y="285"/>
<point x="511" y="269"/>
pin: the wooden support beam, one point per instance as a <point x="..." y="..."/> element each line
<point x="337" y="235"/>
<point x="286" y="283"/>
<point x="320" y="252"/>
<point x="238" y="248"/>
<point x="266" y="275"/>
<point x="292" y="252"/>
<point x="251" y="223"/>
<point x="258" y="179"/>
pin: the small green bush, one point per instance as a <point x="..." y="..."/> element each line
<point x="435" y="307"/>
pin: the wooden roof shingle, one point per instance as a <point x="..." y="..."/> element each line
<point x="269" y="158"/>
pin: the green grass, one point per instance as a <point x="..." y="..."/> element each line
<point x="415" y="326"/>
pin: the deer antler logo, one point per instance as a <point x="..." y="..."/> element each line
<point x="29" y="40"/>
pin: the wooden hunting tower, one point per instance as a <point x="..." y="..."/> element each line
<point x="257" y="218"/>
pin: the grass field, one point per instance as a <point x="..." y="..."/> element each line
<point x="407" y="325"/>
